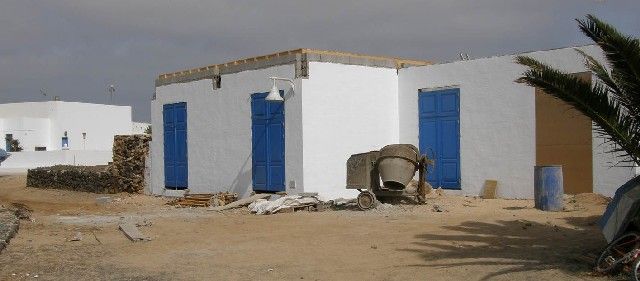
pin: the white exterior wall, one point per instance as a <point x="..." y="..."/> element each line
<point x="44" y="123"/>
<point x="497" y="120"/>
<point x="606" y="178"/>
<point x="100" y="123"/>
<point x="31" y="132"/>
<point x="346" y="109"/>
<point x="32" y="159"/>
<point x="219" y="131"/>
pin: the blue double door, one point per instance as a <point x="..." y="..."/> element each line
<point x="175" y="145"/>
<point x="267" y="128"/>
<point x="439" y="122"/>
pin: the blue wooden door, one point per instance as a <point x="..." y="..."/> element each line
<point x="267" y="139"/>
<point x="439" y="113"/>
<point x="175" y="145"/>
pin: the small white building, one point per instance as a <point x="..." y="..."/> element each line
<point x="58" y="132"/>
<point x="213" y="131"/>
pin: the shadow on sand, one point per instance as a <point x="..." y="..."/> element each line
<point x="516" y="246"/>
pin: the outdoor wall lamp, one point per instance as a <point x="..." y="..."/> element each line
<point x="274" y="94"/>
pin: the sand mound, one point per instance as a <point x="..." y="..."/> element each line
<point x="590" y="199"/>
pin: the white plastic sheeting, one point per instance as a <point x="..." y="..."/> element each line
<point x="264" y="207"/>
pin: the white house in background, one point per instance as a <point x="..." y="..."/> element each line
<point x="213" y="131"/>
<point x="58" y="132"/>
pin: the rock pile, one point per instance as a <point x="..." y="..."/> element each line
<point x="129" y="155"/>
<point x="96" y="179"/>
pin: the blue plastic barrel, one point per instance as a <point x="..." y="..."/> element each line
<point x="548" y="189"/>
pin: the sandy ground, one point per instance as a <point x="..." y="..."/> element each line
<point x="473" y="239"/>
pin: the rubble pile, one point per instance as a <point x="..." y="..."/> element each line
<point x="129" y="155"/>
<point x="223" y="198"/>
<point x="97" y="179"/>
<point x="205" y="200"/>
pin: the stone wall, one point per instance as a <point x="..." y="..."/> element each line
<point x="97" y="179"/>
<point x="125" y="174"/>
<point x="128" y="166"/>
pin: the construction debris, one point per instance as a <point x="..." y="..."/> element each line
<point x="132" y="232"/>
<point x="128" y="167"/>
<point x="76" y="237"/>
<point x="192" y="200"/>
<point x="438" y="209"/>
<point x="205" y="200"/>
<point x="223" y="198"/>
<point x="103" y="200"/>
<point x="289" y="203"/>
<point x="241" y="202"/>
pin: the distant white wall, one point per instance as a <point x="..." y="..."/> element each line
<point x="44" y="124"/>
<point x="31" y="132"/>
<point x="26" y="109"/>
<point x="34" y="159"/>
<point x="219" y="131"/>
<point x="100" y="123"/>
<point x="497" y="119"/>
<point x="346" y="109"/>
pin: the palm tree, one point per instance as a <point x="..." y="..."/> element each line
<point x="612" y="101"/>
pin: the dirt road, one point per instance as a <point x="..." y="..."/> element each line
<point x="473" y="239"/>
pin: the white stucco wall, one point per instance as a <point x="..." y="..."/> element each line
<point x="31" y="132"/>
<point x="346" y="109"/>
<point x="34" y="159"/>
<point x="608" y="172"/>
<point x="219" y="131"/>
<point x="100" y="122"/>
<point x="44" y="124"/>
<point x="497" y="119"/>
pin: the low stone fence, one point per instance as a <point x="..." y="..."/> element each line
<point x="125" y="174"/>
<point x="97" y="179"/>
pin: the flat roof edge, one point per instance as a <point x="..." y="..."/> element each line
<point x="284" y="58"/>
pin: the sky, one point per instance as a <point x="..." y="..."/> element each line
<point x="75" y="48"/>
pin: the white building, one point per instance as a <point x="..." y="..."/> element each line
<point x="214" y="132"/>
<point x="57" y="132"/>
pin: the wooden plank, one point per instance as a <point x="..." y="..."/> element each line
<point x="490" y="189"/>
<point x="132" y="232"/>
<point x="241" y="202"/>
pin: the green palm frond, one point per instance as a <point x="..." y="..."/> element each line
<point x="592" y="100"/>
<point x="612" y="101"/>
<point x="623" y="57"/>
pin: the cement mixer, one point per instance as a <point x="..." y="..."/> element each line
<point x="395" y="165"/>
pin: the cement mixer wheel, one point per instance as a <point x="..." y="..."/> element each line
<point x="366" y="200"/>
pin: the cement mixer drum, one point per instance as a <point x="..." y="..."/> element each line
<point x="397" y="165"/>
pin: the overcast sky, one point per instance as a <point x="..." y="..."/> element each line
<point x="75" y="48"/>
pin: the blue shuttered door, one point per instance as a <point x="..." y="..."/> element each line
<point x="175" y="145"/>
<point x="267" y="141"/>
<point x="439" y="113"/>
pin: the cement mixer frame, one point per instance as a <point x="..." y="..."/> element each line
<point x="364" y="174"/>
